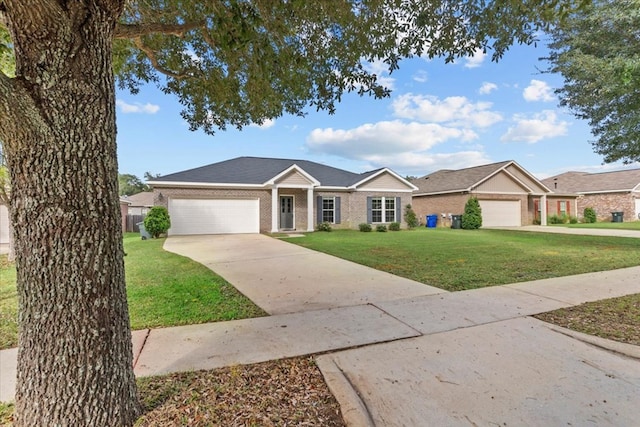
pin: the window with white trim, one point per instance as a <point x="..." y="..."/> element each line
<point x="329" y="209"/>
<point x="383" y="209"/>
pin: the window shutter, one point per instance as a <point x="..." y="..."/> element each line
<point x="319" y="209"/>
<point x="398" y="209"/>
<point x="558" y="211"/>
<point x="369" y="206"/>
<point x="567" y="204"/>
<point x="336" y="213"/>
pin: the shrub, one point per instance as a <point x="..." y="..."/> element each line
<point x="590" y="215"/>
<point x="573" y="220"/>
<point x="394" y="226"/>
<point x="410" y="217"/>
<point x="381" y="228"/>
<point x="558" y="219"/>
<point x="324" y="226"/>
<point x="365" y="227"/>
<point x="472" y="217"/>
<point x="157" y="221"/>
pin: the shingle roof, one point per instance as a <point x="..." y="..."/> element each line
<point x="583" y="182"/>
<point x="258" y="170"/>
<point x="444" y="181"/>
<point x="141" y="199"/>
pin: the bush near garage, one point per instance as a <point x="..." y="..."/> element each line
<point x="157" y="221"/>
<point x="472" y="217"/>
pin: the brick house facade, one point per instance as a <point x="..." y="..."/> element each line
<point x="508" y="194"/>
<point x="606" y="192"/>
<point x="286" y="195"/>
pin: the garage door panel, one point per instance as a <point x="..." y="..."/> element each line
<point x="501" y="213"/>
<point x="214" y="216"/>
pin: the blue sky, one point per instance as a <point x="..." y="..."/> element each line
<point x="439" y="116"/>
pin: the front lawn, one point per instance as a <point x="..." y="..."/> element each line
<point x="465" y="259"/>
<point x="163" y="289"/>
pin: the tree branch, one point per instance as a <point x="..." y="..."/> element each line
<point x="154" y="60"/>
<point x="133" y="31"/>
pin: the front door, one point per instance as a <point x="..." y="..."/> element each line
<point x="286" y="212"/>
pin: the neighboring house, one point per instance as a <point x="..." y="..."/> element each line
<point x="252" y="194"/>
<point x="508" y="194"/>
<point x="124" y="211"/>
<point x="140" y="203"/>
<point x="606" y="192"/>
<point x="4" y="225"/>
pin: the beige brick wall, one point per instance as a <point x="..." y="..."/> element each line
<point x="439" y="204"/>
<point x="353" y="206"/>
<point x="604" y="204"/>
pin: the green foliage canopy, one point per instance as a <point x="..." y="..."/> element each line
<point x="237" y="62"/>
<point x="597" y="50"/>
<point x="129" y="185"/>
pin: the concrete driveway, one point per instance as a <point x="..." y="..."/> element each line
<point x="284" y="278"/>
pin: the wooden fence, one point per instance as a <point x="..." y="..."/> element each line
<point x="132" y="222"/>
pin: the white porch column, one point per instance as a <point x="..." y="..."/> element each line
<point x="275" y="209"/>
<point x="310" y="209"/>
<point x="543" y="209"/>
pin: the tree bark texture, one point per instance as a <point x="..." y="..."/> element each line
<point x="58" y="125"/>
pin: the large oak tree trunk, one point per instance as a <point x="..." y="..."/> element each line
<point x="75" y="353"/>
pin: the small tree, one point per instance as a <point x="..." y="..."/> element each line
<point x="472" y="217"/>
<point x="157" y="221"/>
<point x="590" y="215"/>
<point x="410" y="217"/>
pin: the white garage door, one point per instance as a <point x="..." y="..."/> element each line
<point x="500" y="213"/>
<point x="214" y="216"/>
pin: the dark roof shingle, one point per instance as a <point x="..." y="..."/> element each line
<point x="443" y="181"/>
<point x="583" y="182"/>
<point x="258" y="170"/>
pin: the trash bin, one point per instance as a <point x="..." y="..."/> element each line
<point x="617" y="216"/>
<point x="144" y="234"/>
<point x="432" y="221"/>
<point x="456" y="221"/>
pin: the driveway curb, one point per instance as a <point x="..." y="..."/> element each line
<point x="354" y="411"/>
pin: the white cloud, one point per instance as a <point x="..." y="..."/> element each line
<point x="475" y="60"/>
<point x="137" y="107"/>
<point x="386" y="138"/>
<point x="265" y="125"/>
<point x="421" y="76"/>
<point x="531" y="130"/>
<point x="420" y="164"/>
<point x="453" y="110"/>
<point x="487" y="88"/>
<point x="538" y="91"/>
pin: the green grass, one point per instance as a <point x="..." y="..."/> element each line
<point x="632" y="225"/>
<point x="163" y="289"/>
<point x="465" y="259"/>
<point x="8" y="304"/>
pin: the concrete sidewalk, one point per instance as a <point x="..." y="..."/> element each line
<point x="399" y="323"/>
<point x="566" y="230"/>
